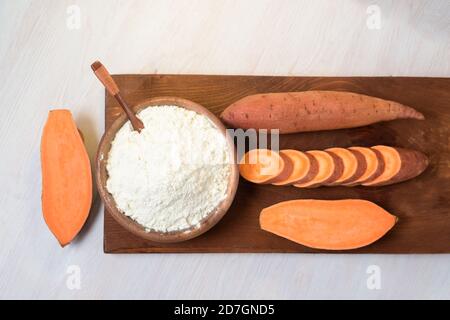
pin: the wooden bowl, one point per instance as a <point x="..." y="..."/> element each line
<point x="174" y="236"/>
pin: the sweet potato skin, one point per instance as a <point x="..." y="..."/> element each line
<point x="360" y="168"/>
<point x="373" y="167"/>
<point x="287" y="169"/>
<point x="313" y="170"/>
<point x="380" y="168"/>
<point x="315" y="181"/>
<point x="338" y="169"/>
<point x="328" y="224"/>
<point x="313" y="111"/>
<point x="290" y="174"/>
<point x="413" y="163"/>
<point x="349" y="164"/>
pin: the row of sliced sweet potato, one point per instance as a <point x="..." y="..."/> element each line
<point x="374" y="166"/>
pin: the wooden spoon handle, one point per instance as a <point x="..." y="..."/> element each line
<point x="135" y="121"/>
<point x="105" y="77"/>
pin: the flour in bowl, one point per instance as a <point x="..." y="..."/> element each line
<point x="172" y="174"/>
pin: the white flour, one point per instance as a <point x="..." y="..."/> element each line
<point x="172" y="174"/>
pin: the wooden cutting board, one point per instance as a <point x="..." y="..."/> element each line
<point x="422" y="204"/>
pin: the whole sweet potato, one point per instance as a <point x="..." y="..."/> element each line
<point x="313" y="111"/>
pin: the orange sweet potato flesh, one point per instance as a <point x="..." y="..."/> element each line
<point x="261" y="165"/>
<point x="299" y="166"/>
<point x="327" y="169"/>
<point x="287" y="169"/>
<point x="312" y="169"/>
<point x="400" y="165"/>
<point x="374" y="165"/>
<point x="361" y="167"/>
<point x="349" y="163"/>
<point x="313" y="111"/>
<point x="338" y="165"/>
<point x="328" y="224"/>
<point x="66" y="177"/>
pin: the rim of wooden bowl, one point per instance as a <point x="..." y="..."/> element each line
<point x="134" y="227"/>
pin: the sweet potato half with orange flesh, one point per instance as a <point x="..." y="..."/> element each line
<point x="313" y="111"/>
<point x="330" y="169"/>
<point x="400" y="165"/>
<point x="261" y="165"/>
<point x="328" y="224"/>
<point x="66" y="177"/>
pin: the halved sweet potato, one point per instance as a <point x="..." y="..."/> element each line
<point x="328" y="224"/>
<point x="66" y="177"/>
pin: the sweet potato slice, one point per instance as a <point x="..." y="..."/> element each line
<point x="380" y="169"/>
<point x="374" y="165"/>
<point x="287" y="169"/>
<point x="361" y="167"/>
<point x="338" y="169"/>
<point x="313" y="170"/>
<point x="324" y="224"/>
<point x="400" y="165"/>
<point x="261" y="165"/>
<point x="328" y="170"/>
<point x="66" y="177"/>
<point x="300" y="167"/>
<point x="349" y="164"/>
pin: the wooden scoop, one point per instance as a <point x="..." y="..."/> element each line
<point x="112" y="88"/>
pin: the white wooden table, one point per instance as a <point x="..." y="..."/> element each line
<point x="46" y="48"/>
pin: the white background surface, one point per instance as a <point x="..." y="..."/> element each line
<point x="44" y="64"/>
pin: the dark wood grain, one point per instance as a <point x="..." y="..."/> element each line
<point x="422" y="204"/>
